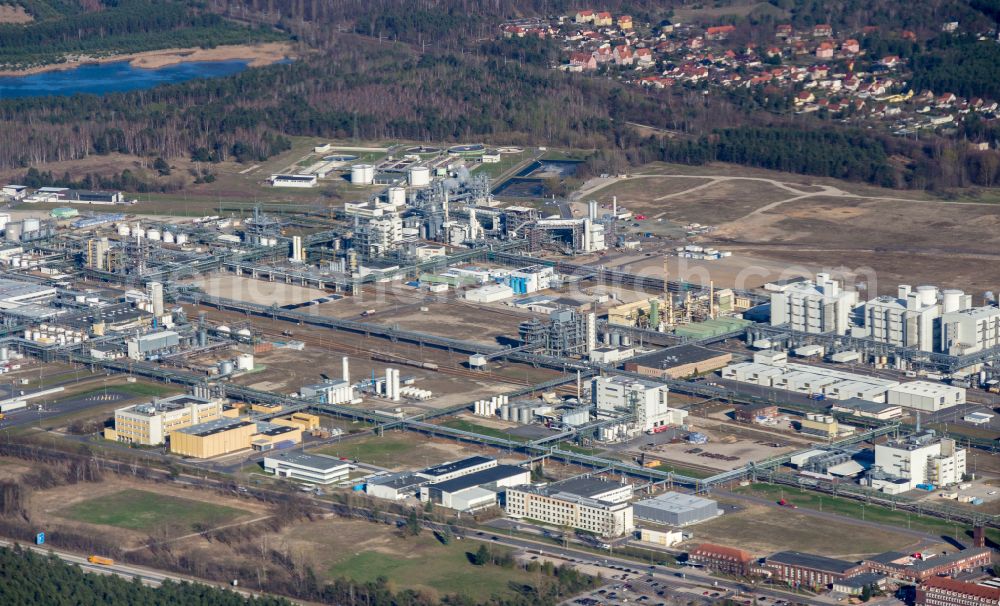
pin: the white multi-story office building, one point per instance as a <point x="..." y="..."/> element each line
<point x="814" y="307"/>
<point x="317" y="469"/>
<point x="587" y="504"/>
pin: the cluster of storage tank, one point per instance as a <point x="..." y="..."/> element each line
<point x="25" y="261"/>
<point x="240" y="363"/>
<point x="415" y="393"/>
<point x="616" y="339"/>
<point x="241" y="334"/>
<point x="54" y="335"/>
<point x="523" y="413"/>
<point x="489" y="408"/>
<point x="136" y="231"/>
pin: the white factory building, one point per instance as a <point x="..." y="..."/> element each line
<point x="292" y="180"/>
<point x="820" y="306"/>
<point x="906" y="320"/>
<point x="969" y="331"/>
<point x="315" y="469"/>
<point x="801" y="378"/>
<point x="926" y="396"/>
<point x="334" y="391"/>
<point x="590" y="504"/>
<point x="475" y="490"/>
<point x="646" y="401"/>
<point x="920" y="459"/>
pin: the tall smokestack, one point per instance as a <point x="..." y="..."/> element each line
<point x="592" y="214"/>
<point x="395" y="385"/>
<point x="344" y="362"/>
<point x="388" y="383"/>
<point x="614" y="206"/>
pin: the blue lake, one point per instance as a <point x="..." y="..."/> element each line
<point x="116" y="77"/>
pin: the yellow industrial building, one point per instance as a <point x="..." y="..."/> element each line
<point x="151" y="423"/>
<point x="224" y="436"/>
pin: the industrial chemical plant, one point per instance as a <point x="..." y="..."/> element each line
<point x="589" y="404"/>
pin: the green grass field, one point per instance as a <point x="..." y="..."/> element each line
<point x="482" y="429"/>
<point x="391" y="450"/>
<point x="145" y="511"/>
<point x="443" y="568"/>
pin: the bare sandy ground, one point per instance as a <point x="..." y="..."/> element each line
<point x="14" y="14"/>
<point x="257" y="54"/>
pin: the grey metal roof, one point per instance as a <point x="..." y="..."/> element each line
<point x="811" y="561"/>
<point x="453" y="466"/>
<point x="486" y="476"/>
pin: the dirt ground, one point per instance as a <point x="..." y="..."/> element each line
<point x="230" y="286"/>
<point x="446" y="315"/>
<point x="780" y="225"/>
<point x="764" y="530"/>
<point x="738" y="451"/>
<point x="14" y="14"/>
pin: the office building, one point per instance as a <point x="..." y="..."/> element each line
<point x="151" y="423"/>
<point x="808" y="570"/>
<point x="915" y="568"/>
<point x="555" y="505"/>
<point x="727" y="560"/>
<point x="315" y="469"/>
<point x="944" y="591"/>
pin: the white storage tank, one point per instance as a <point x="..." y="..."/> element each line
<point x="32" y="225"/>
<point x="153" y="234"/>
<point x="182" y="238"/>
<point x="244" y="332"/>
<point x="397" y="195"/>
<point x="928" y="295"/>
<point x="419" y="176"/>
<point x="226" y="368"/>
<point x="952" y="300"/>
<point x="139" y="233"/>
<point x="124" y="230"/>
<point x="363" y="174"/>
<point x="168" y="237"/>
<point x="244" y="362"/>
<point x="223" y="329"/>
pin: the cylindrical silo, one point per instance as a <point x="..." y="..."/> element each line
<point x="362" y="174"/>
<point x="419" y="176"/>
<point x="928" y="295"/>
<point x="952" y="300"/>
<point x="153" y="234"/>
<point x="505" y="413"/>
<point x="397" y="195"/>
<point x="168" y="237"/>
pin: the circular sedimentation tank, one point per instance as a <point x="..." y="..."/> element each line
<point x="470" y="148"/>
<point x="340" y="158"/>
<point x="423" y="149"/>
